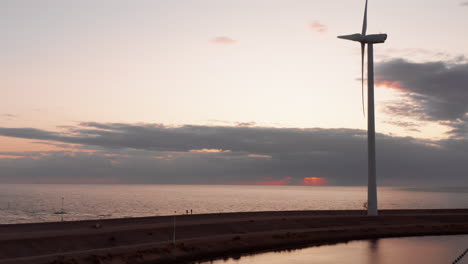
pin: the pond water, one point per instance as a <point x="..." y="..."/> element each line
<point x="427" y="250"/>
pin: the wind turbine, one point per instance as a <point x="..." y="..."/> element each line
<point x="370" y="40"/>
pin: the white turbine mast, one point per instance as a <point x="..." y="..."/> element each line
<point x="370" y="40"/>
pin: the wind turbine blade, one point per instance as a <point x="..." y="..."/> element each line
<point x="364" y="24"/>
<point x="363" y="51"/>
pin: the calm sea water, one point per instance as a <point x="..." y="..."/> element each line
<point x="427" y="250"/>
<point x="22" y="203"/>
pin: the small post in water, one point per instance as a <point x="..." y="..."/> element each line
<point x="173" y="234"/>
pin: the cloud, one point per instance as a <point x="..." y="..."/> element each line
<point x="434" y="91"/>
<point x="208" y="151"/>
<point x="464" y="3"/>
<point x="9" y="116"/>
<point x="459" y="128"/>
<point x="409" y="126"/>
<point x="30" y="133"/>
<point x="316" y="26"/>
<point x="157" y="137"/>
<point x="155" y="153"/>
<point x="259" y="156"/>
<point x="224" y="40"/>
<point x="268" y="181"/>
<point x="246" y="124"/>
<point x="419" y="55"/>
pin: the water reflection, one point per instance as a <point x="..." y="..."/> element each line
<point x="427" y="250"/>
<point x="373" y="251"/>
<point x="21" y="203"/>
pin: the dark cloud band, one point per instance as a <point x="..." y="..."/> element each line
<point x="154" y="153"/>
<point x="436" y="91"/>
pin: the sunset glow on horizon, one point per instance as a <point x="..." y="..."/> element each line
<point x="212" y="91"/>
<point x="314" y="181"/>
<point x="270" y="181"/>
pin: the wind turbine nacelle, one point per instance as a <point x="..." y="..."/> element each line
<point x="374" y="38"/>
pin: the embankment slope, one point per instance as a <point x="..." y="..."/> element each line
<point x="149" y="239"/>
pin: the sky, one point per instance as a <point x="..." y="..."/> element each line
<point x="230" y="92"/>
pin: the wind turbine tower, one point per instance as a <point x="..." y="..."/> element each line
<point x="369" y="40"/>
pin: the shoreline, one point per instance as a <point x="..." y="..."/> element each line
<point x="212" y="236"/>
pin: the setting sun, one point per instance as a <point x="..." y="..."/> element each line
<point x="314" y="181"/>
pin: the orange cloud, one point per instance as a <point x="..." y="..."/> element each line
<point x="11" y="157"/>
<point x="224" y="41"/>
<point x="167" y="157"/>
<point x="208" y="151"/>
<point x="318" y="27"/>
<point x="10" y="144"/>
<point x="314" y="181"/>
<point x="259" y="156"/>
<point x="391" y="85"/>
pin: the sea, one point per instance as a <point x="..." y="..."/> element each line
<point x="29" y="203"/>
